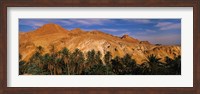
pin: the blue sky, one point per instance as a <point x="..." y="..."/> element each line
<point x="157" y="31"/>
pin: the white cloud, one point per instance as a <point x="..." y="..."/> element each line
<point x="65" y="22"/>
<point x="38" y="24"/>
<point x="90" y="21"/>
<point x="142" y="21"/>
<point x="34" y="24"/>
<point x="112" y="30"/>
<point x="168" y="25"/>
<point x="145" y="32"/>
<point x="161" y="24"/>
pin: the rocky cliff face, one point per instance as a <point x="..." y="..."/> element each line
<point x="52" y="34"/>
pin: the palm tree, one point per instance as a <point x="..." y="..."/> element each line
<point x="117" y="66"/>
<point x="34" y="69"/>
<point x="46" y="60"/>
<point x="34" y="65"/>
<point x="153" y="62"/>
<point x="168" y="60"/>
<point x="76" y="62"/>
<point x="107" y="60"/>
<point x="176" y="66"/>
<point x="80" y="62"/>
<point x="52" y="60"/>
<point x="65" y="56"/>
<point x="129" y="64"/>
<point x="144" y="69"/>
<point x="36" y="58"/>
<point x="58" y="66"/>
<point x="52" y="51"/>
<point x="98" y="58"/>
<point x="22" y="65"/>
<point x="97" y="69"/>
<point x="49" y="63"/>
<point x="90" y="58"/>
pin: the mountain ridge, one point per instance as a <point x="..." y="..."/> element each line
<point x="53" y="34"/>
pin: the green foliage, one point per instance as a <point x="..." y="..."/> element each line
<point x="153" y="62"/>
<point x="99" y="69"/>
<point x="129" y="64"/>
<point x="33" y="69"/>
<point x="22" y="67"/>
<point x="90" y="58"/>
<point x="66" y="57"/>
<point x="98" y="58"/>
<point x="117" y="65"/>
<point x="65" y="62"/>
<point x="76" y="61"/>
<point x="174" y="66"/>
<point x="107" y="58"/>
<point x="143" y="69"/>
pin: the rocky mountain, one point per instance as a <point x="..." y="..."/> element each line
<point x="53" y="34"/>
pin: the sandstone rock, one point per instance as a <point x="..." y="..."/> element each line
<point x="53" y="34"/>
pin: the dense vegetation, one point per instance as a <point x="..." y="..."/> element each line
<point x="65" y="62"/>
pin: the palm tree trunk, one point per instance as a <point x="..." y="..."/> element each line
<point x="51" y="72"/>
<point x="68" y="70"/>
<point x="54" y="71"/>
